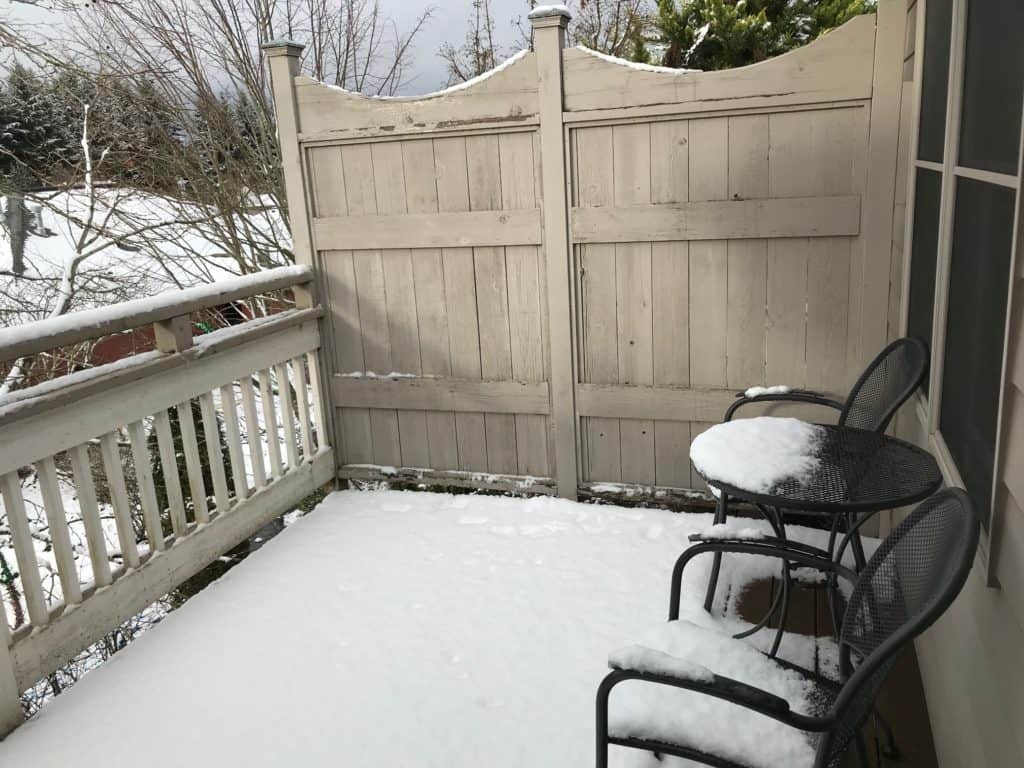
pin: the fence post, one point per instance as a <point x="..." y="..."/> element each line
<point x="283" y="62"/>
<point x="10" y="697"/>
<point x="549" y="26"/>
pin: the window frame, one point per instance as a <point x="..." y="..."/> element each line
<point x="927" y="409"/>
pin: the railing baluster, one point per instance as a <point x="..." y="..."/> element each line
<point x="24" y="551"/>
<point x="213" y="452"/>
<point x="252" y="431"/>
<point x="284" y="398"/>
<point x="119" y="498"/>
<point x="90" y="511"/>
<point x="64" y="553"/>
<point x="319" y="415"/>
<point x="227" y="404"/>
<point x="193" y="463"/>
<point x="147" y="491"/>
<point x="172" y="481"/>
<point x="270" y="423"/>
<point x="301" y="394"/>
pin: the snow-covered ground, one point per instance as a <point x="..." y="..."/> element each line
<point x="396" y="629"/>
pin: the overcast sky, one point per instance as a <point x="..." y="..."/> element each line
<point x="427" y="73"/>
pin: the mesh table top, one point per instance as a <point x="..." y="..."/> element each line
<point x="857" y="471"/>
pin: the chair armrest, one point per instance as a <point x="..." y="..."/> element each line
<point x="725" y="688"/>
<point x="794" y="396"/>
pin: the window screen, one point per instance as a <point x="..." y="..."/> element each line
<point x="993" y="74"/>
<point x="934" y="80"/>
<point x="975" y="326"/>
<point x="927" y="194"/>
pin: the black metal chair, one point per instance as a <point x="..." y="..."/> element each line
<point x="890" y="379"/>
<point x="908" y="583"/>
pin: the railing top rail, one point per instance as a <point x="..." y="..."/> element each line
<point x="32" y="338"/>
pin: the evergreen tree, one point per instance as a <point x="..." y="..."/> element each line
<point x="720" y="34"/>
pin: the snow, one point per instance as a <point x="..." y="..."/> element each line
<point x="419" y="629"/>
<point x="652" y="711"/>
<point x="640" y="658"/>
<point x="436" y="94"/>
<point x="540" y="11"/>
<point x="757" y="454"/>
<point x="731" y="530"/>
<point x="102" y="316"/>
<point x="634" y="64"/>
<point x="373" y="375"/>
<point x="777" y="389"/>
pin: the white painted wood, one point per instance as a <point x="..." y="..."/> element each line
<point x="130" y="398"/>
<point x="302" y="400"/>
<point x="146" y="488"/>
<point x="193" y="462"/>
<point x="430" y="230"/>
<point x="232" y="432"/>
<point x="270" y="422"/>
<point x="777" y="217"/>
<point x="214" y="455"/>
<point x="90" y="512"/>
<point x="24" y="549"/>
<point x="549" y="41"/>
<point x="172" y="480"/>
<point x="43" y="335"/>
<point x="47" y="648"/>
<point x="56" y="519"/>
<point x="287" y="414"/>
<point x="444" y="394"/>
<point x="119" y="499"/>
<point x="173" y="335"/>
<point x="254" y="440"/>
<point x="827" y="70"/>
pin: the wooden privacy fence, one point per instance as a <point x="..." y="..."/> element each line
<point x="555" y="276"/>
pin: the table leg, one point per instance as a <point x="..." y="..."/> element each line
<point x="716" y="565"/>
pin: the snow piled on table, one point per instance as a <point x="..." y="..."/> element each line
<point x="400" y="628"/>
<point x="757" y="454"/>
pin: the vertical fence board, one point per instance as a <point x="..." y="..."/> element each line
<point x="214" y="455"/>
<point x="56" y="518"/>
<point x="253" y="439"/>
<point x="193" y="461"/>
<point x="119" y="499"/>
<point x="90" y="511"/>
<point x="24" y="549"/>
<point x="147" y="489"/>
<point x="234" y="438"/>
<point x="270" y="422"/>
<point x="172" y="481"/>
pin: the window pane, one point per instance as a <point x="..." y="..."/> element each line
<point x="934" y="79"/>
<point x="975" y="325"/>
<point x="927" y="193"/>
<point x="993" y="77"/>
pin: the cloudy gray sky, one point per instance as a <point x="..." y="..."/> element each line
<point x="447" y="24"/>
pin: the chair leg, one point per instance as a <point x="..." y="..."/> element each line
<point x="890" y="749"/>
<point x="716" y="565"/>
<point x="601" y="723"/>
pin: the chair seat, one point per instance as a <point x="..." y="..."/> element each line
<point x="644" y="710"/>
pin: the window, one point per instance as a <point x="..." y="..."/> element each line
<point x="963" y="226"/>
<point x="990" y="127"/>
<point x="934" y="80"/>
<point x="922" y="257"/>
<point x="975" y="324"/>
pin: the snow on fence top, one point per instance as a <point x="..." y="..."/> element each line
<point x="74" y="327"/>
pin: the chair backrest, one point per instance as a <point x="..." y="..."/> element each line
<point x="907" y="584"/>
<point x="885" y="385"/>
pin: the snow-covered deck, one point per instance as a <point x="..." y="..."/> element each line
<point x="390" y="629"/>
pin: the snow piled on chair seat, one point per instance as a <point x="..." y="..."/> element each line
<point x="646" y="710"/>
<point x="757" y="454"/>
<point x="397" y="629"/>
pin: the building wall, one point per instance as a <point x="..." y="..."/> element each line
<point x="971" y="659"/>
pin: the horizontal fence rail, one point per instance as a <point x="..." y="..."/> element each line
<point x="172" y="457"/>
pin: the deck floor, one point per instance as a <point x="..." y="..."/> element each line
<point x="388" y="629"/>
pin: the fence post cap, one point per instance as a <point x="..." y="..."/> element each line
<point x="282" y="48"/>
<point x="549" y="16"/>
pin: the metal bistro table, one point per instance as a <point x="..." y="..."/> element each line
<point x="857" y="473"/>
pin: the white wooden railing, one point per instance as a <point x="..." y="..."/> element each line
<point x="80" y="421"/>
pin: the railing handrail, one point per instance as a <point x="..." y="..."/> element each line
<point x="29" y="339"/>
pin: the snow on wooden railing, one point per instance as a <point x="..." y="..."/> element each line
<point x="208" y="415"/>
